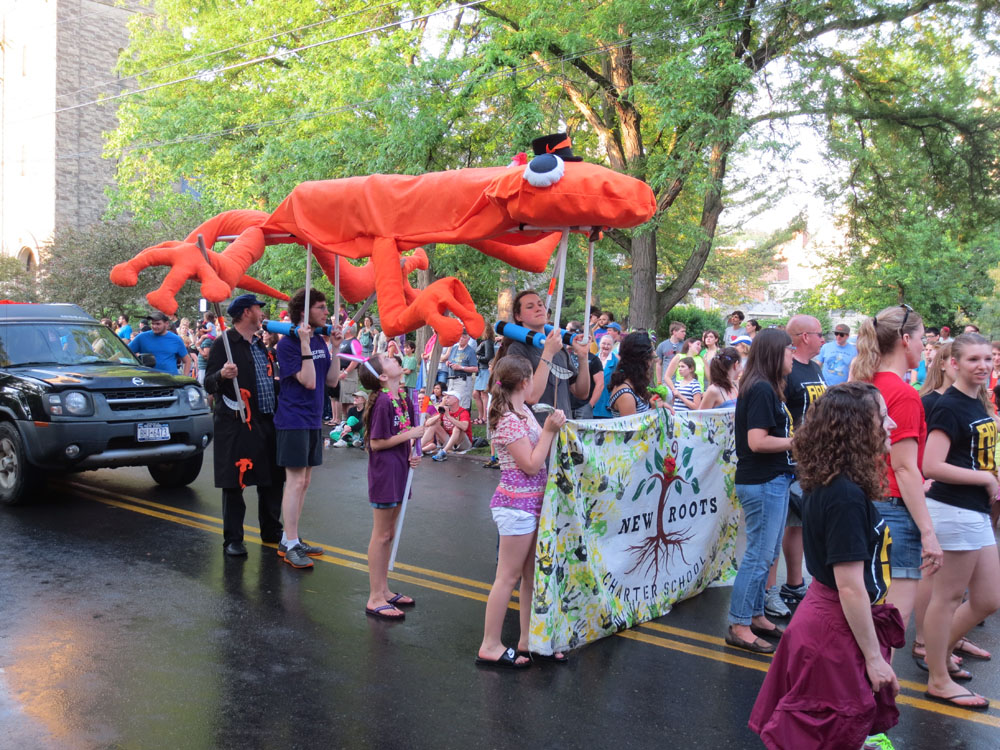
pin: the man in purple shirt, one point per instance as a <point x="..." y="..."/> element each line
<point x="305" y="365"/>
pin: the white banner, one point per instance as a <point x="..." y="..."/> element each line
<point x="640" y="512"/>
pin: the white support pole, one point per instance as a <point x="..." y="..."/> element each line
<point x="336" y="289"/>
<point x="561" y="270"/>
<point x="309" y="270"/>
<point x="402" y="507"/>
<point x="590" y="290"/>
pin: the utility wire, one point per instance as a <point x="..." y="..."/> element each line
<point x="526" y="67"/>
<point x="206" y="55"/>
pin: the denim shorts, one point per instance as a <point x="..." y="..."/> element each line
<point x="385" y="506"/>
<point x="904" y="555"/>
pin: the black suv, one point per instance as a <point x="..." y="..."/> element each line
<point x="73" y="397"/>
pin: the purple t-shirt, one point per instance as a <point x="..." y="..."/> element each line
<point x="300" y="408"/>
<point x="387" y="469"/>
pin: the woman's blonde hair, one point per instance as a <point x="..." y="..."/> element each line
<point x="878" y="336"/>
<point x="935" y="370"/>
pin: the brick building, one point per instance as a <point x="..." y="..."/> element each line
<point x="58" y="57"/>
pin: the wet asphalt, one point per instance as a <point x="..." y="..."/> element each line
<point x="124" y="626"/>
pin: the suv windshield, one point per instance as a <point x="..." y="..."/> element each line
<point x="61" y="343"/>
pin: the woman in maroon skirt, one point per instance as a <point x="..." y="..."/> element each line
<point x="830" y="684"/>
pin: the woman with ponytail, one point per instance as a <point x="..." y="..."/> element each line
<point x="889" y="345"/>
<point x="522" y="447"/>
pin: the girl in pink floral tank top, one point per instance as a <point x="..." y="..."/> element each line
<point x="522" y="447"/>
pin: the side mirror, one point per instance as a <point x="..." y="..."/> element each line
<point x="147" y="360"/>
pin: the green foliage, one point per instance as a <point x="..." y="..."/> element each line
<point x="696" y="320"/>
<point x="77" y="262"/>
<point x="16" y="283"/>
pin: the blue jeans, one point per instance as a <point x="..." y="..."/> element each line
<point x="765" y="507"/>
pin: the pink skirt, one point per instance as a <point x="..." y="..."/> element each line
<point x="816" y="693"/>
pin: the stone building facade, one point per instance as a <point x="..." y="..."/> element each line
<point x="58" y="59"/>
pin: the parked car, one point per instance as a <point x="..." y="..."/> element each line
<point x="73" y="397"/>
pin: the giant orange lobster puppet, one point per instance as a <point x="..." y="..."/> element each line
<point x="381" y="216"/>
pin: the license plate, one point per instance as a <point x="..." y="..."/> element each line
<point x="148" y="432"/>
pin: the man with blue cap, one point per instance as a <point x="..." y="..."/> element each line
<point x="245" y="451"/>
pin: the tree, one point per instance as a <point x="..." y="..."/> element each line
<point x="923" y="201"/>
<point x="17" y="283"/>
<point x="75" y="267"/>
<point x="670" y="93"/>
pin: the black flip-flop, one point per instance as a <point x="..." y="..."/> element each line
<point x="776" y="632"/>
<point x="758" y="646"/>
<point x="395" y="600"/>
<point x="563" y="659"/>
<point x="379" y="612"/>
<point x="950" y="701"/>
<point x="959" y="674"/>
<point x="507" y="660"/>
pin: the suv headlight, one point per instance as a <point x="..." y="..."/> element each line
<point x="195" y="397"/>
<point x="73" y="403"/>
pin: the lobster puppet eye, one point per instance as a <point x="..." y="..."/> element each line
<point x="544" y="170"/>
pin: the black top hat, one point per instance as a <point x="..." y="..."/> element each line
<point x="558" y="144"/>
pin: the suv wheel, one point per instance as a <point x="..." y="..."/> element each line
<point x="177" y="473"/>
<point x="17" y="476"/>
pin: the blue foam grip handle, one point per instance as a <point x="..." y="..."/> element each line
<point x="287" y="329"/>
<point x="520" y="333"/>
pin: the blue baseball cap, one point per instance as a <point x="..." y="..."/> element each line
<point x="615" y="327"/>
<point x="241" y="303"/>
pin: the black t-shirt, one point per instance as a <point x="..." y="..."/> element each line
<point x="354" y="411"/>
<point x="803" y="385"/>
<point x="840" y="524"/>
<point x="760" y="408"/>
<point x="554" y="386"/>
<point x="928" y="401"/>
<point x="595" y="365"/>
<point x="973" y="435"/>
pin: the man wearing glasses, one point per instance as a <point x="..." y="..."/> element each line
<point x="803" y="385"/>
<point x="836" y="356"/>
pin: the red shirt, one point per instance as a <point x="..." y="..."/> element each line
<point x="906" y="410"/>
<point x="993" y="384"/>
<point x="459" y="415"/>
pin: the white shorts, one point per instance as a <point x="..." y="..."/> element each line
<point x="958" y="529"/>
<point x="514" y="522"/>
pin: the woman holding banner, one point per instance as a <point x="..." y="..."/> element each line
<point x="764" y="472"/>
<point x="830" y="684"/>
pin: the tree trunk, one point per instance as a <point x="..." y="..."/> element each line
<point x="642" y="300"/>
<point x="711" y="210"/>
<point x="506" y="294"/>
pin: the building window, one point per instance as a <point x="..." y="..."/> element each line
<point x="27" y="259"/>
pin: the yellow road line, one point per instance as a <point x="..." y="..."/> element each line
<point x="635" y="635"/>
<point x="253" y="529"/>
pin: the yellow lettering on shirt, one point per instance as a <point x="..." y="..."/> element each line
<point x="985" y="435"/>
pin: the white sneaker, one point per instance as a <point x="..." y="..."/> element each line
<point x="340" y="444"/>
<point x="773" y="605"/>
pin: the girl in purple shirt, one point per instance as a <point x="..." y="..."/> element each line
<point x="522" y="447"/>
<point x="389" y="429"/>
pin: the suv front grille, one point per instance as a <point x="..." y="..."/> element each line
<point x="140" y="399"/>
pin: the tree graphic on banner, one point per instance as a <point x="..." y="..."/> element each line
<point x="657" y="550"/>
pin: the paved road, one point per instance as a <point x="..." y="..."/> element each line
<point x="124" y="626"/>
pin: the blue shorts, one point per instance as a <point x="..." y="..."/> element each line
<point x="385" y="506"/>
<point x="298" y="449"/>
<point x="904" y="555"/>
